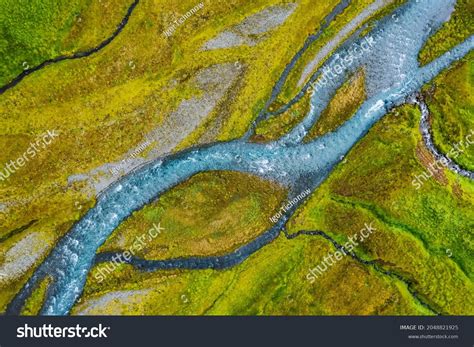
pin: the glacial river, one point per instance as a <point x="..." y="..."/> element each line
<point x="392" y="74"/>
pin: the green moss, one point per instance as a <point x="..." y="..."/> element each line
<point x="272" y="281"/>
<point x="35" y="31"/>
<point x="212" y="213"/>
<point x="291" y="88"/>
<point x="34" y="303"/>
<point x="421" y="234"/>
<point x="343" y="105"/>
<point x="276" y="126"/>
<point x="459" y="27"/>
<point x="452" y="111"/>
<point x="102" y="107"/>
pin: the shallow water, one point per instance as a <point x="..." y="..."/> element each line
<point x="393" y="74"/>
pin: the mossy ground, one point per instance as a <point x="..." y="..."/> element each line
<point x="34" y="302"/>
<point x="451" y="107"/>
<point x="344" y="104"/>
<point x="291" y="87"/>
<point x="414" y="231"/>
<point x="459" y="27"/>
<point x="102" y="106"/>
<point x="212" y="213"/>
<point x="35" y="31"/>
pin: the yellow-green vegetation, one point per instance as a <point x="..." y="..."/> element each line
<point x="346" y="101"/>
<point x="103" y="105"/>
<point x="291" y="88"/>
<point x="35" y="301"/>
<point x="452" y="111"/>
<point x="424" y="235"/>
<point x="459" y="27"/>
<point x="212" y="213"/>
<point x="276" y="126"/>
<point x="260" y="58"/>
<point x="28" y="247"/>
<point x="272" y="281"/>
<point x="413" y="231"/>
<point x="342" y="106"/>
<point x="35" y="31"/>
